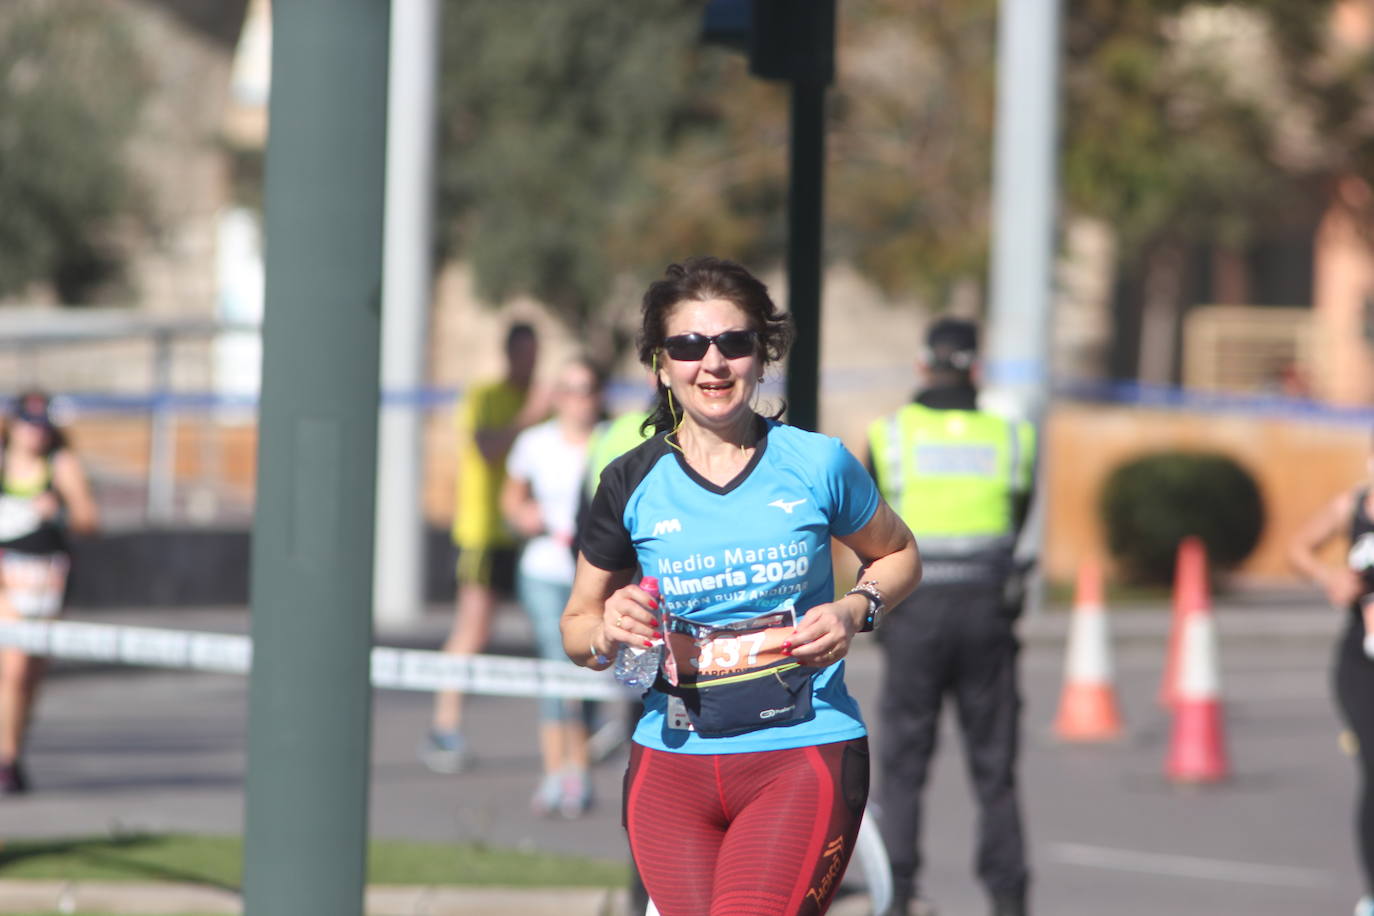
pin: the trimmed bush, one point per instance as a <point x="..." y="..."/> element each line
<point x="1151" y="503"/>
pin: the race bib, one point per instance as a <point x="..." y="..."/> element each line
<point x="17" y="517"/>
<point x="697" y="652"/>
<point x="34" y="584"/>
<point x="733" y="679"/>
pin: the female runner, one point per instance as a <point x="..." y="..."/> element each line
<point x="43" y="495"/>
<point x="748" y="772"/>
<point x="1351" y="586"/>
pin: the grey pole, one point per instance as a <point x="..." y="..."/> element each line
<point x="309" y="698"/>
<point x="1024" y="205"/>
<point x="794" y="40"/>
<point x="806" y="194"/>
<point x="1024" y="230"/>
<point x="161" y="435"/>
<point x="398" y="587"/>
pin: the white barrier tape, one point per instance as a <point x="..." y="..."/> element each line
<point x="397" y="669"/>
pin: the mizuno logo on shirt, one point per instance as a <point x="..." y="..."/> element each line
<point x="787" y="505"/>
<point x="668" y="525"/>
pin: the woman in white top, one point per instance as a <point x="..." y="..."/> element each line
<point x="545" y="473"/>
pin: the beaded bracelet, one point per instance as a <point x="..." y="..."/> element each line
<point x="869" y="589"/>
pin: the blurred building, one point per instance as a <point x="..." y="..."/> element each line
<point x="1342" y="363"/>
<point x="1319" y="345"/>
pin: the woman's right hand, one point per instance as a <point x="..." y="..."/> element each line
<point x="46" y="505"/>
<point x="631" y="617"/>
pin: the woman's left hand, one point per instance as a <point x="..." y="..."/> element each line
<point x="823" y="635"/>
<point x="527" y="520"/>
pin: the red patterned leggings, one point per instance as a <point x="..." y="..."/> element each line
<point x="761" y="834"/>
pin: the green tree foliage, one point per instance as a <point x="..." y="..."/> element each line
<point x="1181" y="123"/>
<point x="1218" y="124"/>
<point x="586" y="141"/>
<point x="70" y="88"/>
<point x="554" y="115"/>
<point x="1175" y="116"/>
<point x="911" y="142"/>
<point x="720" y="184"/>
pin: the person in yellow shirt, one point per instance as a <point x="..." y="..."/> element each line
<point x="488" y="420"/>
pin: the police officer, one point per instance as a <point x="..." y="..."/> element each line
<point x="960" y="477"/>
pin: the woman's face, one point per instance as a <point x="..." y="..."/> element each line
<point x="577" y="396"/>
<point x="716" y="389"/>
<point x="28" y="437"/>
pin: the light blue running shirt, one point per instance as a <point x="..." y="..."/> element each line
<point x="723" y="554"/>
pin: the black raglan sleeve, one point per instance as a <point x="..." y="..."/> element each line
<point x="601" y="534"/>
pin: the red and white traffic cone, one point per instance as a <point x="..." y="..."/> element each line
<point x="1088" y="709"/>
<point x="1197" y="745"/>
<point x="1190" y="590"/>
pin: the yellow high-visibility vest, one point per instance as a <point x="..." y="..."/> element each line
<point x="952" y="475"/>
<point x="611" y="440"/>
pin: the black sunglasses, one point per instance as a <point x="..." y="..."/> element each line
<point x="731" y="344"/>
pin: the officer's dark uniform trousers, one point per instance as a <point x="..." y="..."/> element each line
<point x="954" y="639"/>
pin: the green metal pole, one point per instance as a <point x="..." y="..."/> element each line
<point x="309" y="697"/>
<point x="804" y="216"/>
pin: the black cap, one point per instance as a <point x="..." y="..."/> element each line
<point x="952" y="343"/>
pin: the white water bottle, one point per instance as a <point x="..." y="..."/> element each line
<point x="636" y="666"/>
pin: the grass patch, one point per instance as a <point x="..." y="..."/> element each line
<point x="403" y="862"/>
<point x="217" y="861"/>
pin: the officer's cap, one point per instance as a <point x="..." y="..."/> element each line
<point x="952" y="343"/>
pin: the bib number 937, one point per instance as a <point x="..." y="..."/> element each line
<point x="727" y="653"/>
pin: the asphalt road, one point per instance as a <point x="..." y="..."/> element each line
<point x="138" y="749"/>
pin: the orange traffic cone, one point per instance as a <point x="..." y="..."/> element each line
<point x="1190" y="589"/>
<point x="1087" y="706"/>
<point x="1197" y="747"/>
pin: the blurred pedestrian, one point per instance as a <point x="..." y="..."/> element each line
<point x="545" y="476"/>
<point x="960" y="477"/>
<point x="44" y="494"/>
<point x="611" y="439"/>
<point x="488" y="420"/>
<point x="1350" y="586"/>
<point x="748" y="772"/>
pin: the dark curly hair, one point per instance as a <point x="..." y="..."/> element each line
<point x="701" y="279"/>
<point x="35" y="402"/>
